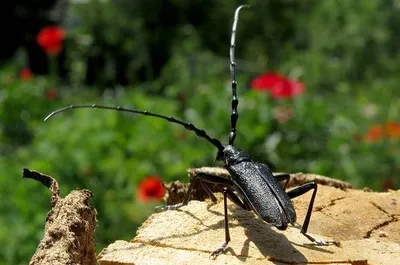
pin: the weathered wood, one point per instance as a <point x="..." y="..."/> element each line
<point x="365" y="223"/>
<point x="70" y="225"/>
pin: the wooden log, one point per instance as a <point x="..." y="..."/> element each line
<point x="365" y="223"/>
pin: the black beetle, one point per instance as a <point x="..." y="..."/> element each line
<point x="252" y="186"/>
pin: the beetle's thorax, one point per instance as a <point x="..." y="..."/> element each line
<point x="232" y="156"/>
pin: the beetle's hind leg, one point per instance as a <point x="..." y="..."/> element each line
<point x="300" y="191"/>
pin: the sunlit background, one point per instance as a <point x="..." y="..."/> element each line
<point x="318" y="86"/>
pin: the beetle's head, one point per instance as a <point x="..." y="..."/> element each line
<point x="231" y="155"/>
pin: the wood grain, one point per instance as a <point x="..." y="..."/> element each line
<point x="365" y="223"/>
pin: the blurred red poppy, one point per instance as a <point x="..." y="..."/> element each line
<point x="266" y="81"/>
<point x="51" y="94"/>
<point x="390" y="130"/>
<point x="393" y="130"/>
<point x="51" y="39"/>
<point x="151" y="188"/>
<point x="25" y="74"/>
<point x="279" y="86"/>
<point x="374" y="133"/>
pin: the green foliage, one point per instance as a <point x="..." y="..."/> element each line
<point x="343" y="51"/>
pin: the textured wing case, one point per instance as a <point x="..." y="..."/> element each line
<point x="266" y="196"/>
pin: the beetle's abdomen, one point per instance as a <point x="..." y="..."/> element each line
<point x="256" y="184"/>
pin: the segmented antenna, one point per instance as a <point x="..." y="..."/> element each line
<point x="235" y="101"/>
<point x="199" y="132"/>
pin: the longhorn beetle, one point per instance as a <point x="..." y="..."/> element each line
<point x="252" y="186"/>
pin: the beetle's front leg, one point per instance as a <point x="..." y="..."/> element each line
<point x="202" y="179"/>
<point x="228" y="192"/>
<point x="224" y="246"/>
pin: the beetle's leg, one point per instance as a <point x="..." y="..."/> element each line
<point x="205" y="178"/>
<point x="300" y="191"/>
<point x="209" y="192"/>
<point x="224" y="246"/>
<point x="228" y="192"/>
<point x="236" y="200"/>
<point x="283" y="176"/>
<point x="199" y="177"/>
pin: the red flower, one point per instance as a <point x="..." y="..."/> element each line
<point x="390" y="130"/>
<point x="25" y="74"/>
<point x="279" y="86"/>
<point x="393" y="130"/>
<point x="51" y="39"/>
<point x="51" y="94"/>
<point x="374" y="133"/>
<point x="266" y="81"/>
<point x="151" y="188"/>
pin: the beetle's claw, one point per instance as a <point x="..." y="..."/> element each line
<point x="326" y="243"/>
<point x="321" y="242"/>
<point x="219" y="251"/>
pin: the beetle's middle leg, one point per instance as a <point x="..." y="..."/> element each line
<point x="300" y="191"/>
<point x="283" y="177"/>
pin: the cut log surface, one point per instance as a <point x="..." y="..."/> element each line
<point x="366" y="224"/>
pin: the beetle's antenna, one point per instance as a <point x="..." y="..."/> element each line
<point x="199" y="132"/>
<point x="235" y="101"/>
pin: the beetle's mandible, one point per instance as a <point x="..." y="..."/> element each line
<point x="252" y="185"/>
